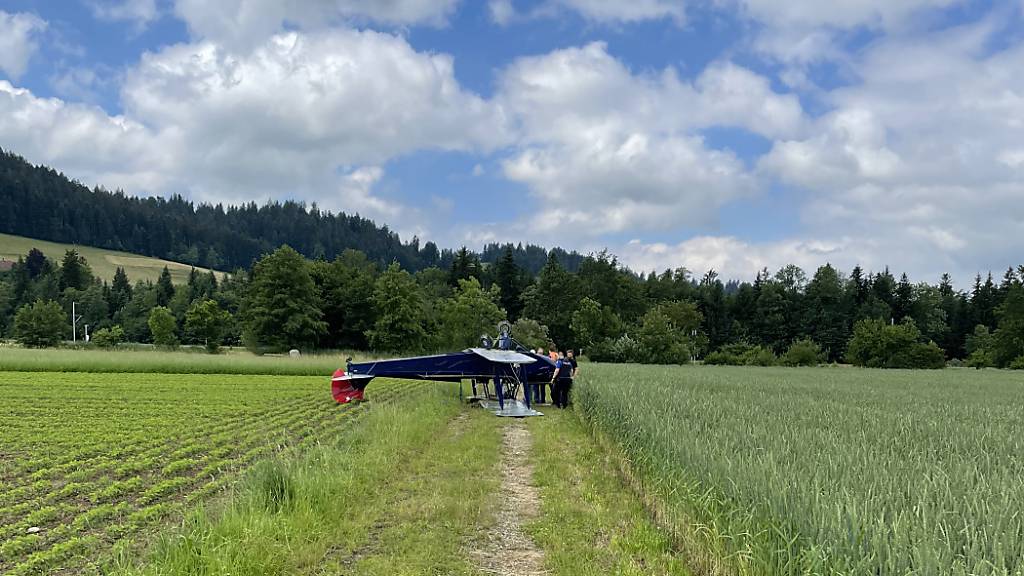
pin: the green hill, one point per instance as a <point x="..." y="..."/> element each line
<point x="103" y="262"/>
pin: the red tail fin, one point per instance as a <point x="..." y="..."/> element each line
<point x="342" y="388"/>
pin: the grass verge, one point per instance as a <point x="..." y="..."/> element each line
<point x="591" y="523"/>
<point x="398" y="494"/>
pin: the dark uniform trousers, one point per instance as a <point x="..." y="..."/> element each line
<point x="560" y="391"/>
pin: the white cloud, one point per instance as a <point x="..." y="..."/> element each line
<point x="734" y="258"/>
<point x="355" y="195"/>
<point x="139" y="12"/>
<point x="612" y="11"/>
<point x="285" y="115"/>
<point x="804" y="32"/>
<point x="18" y="41"/>
<point x="922" y="156"/>
<point x="884" y="14"/>
<point x="306" y="115"/>
<point x="502" y="11"/>
<point x="242" y="24"/>
<point x="623" y="151"/>
<point x="82" y="140"/>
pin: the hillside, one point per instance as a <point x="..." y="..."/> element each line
<point x="103" y="262"/>
<point x="42" y="203"/>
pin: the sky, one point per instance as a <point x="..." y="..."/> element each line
<point x="709" y="134"/>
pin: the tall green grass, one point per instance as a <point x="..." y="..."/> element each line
<point x="167" y="362"/>
<point x="301" y="512"/>
<point x="824" y="471"/>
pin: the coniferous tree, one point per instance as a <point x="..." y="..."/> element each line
<point x="1008" y="340"/>
<point x="164" y="288"/>
<point x="553" y="299"/>
<point x="903" y="299"/>
<point x="465" y="266"/>
<point x="712" y="305"/>
<point x="826" y="314"/>
<point x="509" y="279"/>
<point x="74" y="272"/>
<point x="120" y="290"/>
<point x="36" y="263"/>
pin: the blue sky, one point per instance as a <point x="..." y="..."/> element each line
<point x="726" y="134"/>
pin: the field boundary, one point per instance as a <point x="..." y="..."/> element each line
<point x="685" y="540"/>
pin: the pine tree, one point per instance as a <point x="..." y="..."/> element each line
<point x="904" y="299"/>
<point x="508" y="277"/>
<point x="120" y="290"/>
<point x="553" y="299"/>
<point x="826" y="317"/>
<point x="465" y="266"/>
<point x="74" y="272"/>
<point x="164" y="288"/>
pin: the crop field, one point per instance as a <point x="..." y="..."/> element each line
<point x="824" y="471"/>
<point x="93" y="459"/>
<point x="166" y="362"/>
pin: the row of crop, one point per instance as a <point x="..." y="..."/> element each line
<point x="196" y="469"/>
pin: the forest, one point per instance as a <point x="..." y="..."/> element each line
<point x="41" y="203"/>
<point x="609" y="312"/>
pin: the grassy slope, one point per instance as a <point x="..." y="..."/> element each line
<point x="103" y="262"/>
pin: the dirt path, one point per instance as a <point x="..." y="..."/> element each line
<point x="507" y="550"/>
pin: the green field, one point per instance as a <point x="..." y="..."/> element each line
<point x="103" y="262"/>
<point x="659" y="470"/>
<point x="824" y="471"/>
<point x="167" y="362"/>
<point x="91" y="460"/>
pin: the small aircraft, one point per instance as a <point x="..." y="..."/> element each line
<point x="504" y="362"/>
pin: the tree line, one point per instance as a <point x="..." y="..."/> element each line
<point x="42" y="203"/>
<point x="351" y="302"/>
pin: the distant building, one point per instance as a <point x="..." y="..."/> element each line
<point x="6" y="265"/>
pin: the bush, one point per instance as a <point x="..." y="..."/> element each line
<point x="803" y="352"/>
<point x="625" y="349"/>
<point x="163" y="325"/>
<point x="926" y="356"/>
<point x="981" y="358"/>
<point x="108" y="337"/>
<point x="742" y="354"/>
<point x="40" y="324"/>
<point x="876" y="344"/>
<point x="1017" y="364"/>
<point x="720" y="358"/>
<point x="530" y="333"/>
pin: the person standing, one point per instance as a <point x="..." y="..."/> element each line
<point x="538" y="390"/>
<point x="570" y="358"/>
<point x="561" y="381"/>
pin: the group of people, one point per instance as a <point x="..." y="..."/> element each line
<point x="566" y="369"/>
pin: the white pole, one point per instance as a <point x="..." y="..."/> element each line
<point x="74" y="321"/>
